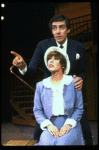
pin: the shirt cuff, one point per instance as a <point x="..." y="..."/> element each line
<point x="23" y="71"/>
<point x="70" y="121"/>
<point x="45" y="123"/>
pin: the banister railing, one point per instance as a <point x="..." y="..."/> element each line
<point x="79" y="21"/>
<point x="11" y="70"/>
<point x="21" y="79"/>
<point x="22" y="104"/>
<point x="79" y="28"/>
<point x="85" y="33"/>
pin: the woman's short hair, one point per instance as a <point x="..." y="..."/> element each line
<point x="59" y="18"/>
<point x="60" y="57"/>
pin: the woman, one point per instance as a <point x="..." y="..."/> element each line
<point x="58" y="106"/>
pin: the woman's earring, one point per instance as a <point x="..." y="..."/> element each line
<point x="65" y="72"/>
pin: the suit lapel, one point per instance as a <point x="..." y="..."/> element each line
<point x="70" y="49"/>
<point x="53" y="43"/>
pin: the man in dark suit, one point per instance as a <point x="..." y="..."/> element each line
<point x="60" y="27"/>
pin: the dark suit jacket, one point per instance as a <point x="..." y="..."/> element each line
<point x="78" y="67"/>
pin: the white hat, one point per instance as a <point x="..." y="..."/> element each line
<point x="54" y="48"/>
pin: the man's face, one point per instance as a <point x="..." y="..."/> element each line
<point x="59" y="31"/>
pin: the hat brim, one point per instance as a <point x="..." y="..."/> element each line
<point x="54" y="48"/>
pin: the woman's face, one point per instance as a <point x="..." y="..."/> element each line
<point x="54" y="64"/>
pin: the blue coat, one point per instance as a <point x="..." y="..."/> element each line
<point x="43" y="101"/>
<point x="78" y="67"/>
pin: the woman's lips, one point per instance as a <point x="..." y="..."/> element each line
<point x="50" y="66"/>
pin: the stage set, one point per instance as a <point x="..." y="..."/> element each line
<point x="20" y="130"/>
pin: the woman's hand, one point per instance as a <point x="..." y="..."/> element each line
<point x="65" y="129"/>
<point x="53" y="130"/>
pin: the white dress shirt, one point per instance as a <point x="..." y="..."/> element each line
<point x="64" y="46"/>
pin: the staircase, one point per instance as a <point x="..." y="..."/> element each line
<point x="22" y="93"/>
<point x="84" y="30"/>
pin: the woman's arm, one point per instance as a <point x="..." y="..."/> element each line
<point x="38" y="109"/>
<point x="78" y="106"/>
<point x="78" y="109"/>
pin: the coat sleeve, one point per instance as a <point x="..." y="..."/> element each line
<point x="35" y="61"/>
<point x="38" y="109"/>
<point x="78" y="106"/>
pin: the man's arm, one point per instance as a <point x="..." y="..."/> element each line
<point x="30" y="70"/>
<point x="34" y="63"/>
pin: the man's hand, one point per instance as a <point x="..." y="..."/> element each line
<point x="65" y="129"/>
<point x="79" y="82"/>
<point x="18" y="61"/>
<point x="53" y="130"/>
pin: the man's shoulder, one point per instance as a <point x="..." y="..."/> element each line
<point x="74" y="42"/>
<point x="46" y="44"/>
<point x="46" y="41"/>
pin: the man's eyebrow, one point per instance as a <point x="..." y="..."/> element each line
<point x="62" y="25"/>
<point x="59" y="25"/>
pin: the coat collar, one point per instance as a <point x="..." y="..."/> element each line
<point x="67" y="79"/>
<point x="70" y="49"/>
<point x="53" y="42"/>
<point x="70" y="45"/>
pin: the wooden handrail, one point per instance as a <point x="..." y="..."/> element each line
<point x="91" y="21"/>
<point x="78" y="28"/>
<point x="81" y="17"/>
<point x="21" y="79"/>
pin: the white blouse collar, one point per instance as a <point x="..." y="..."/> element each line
<point x="67" y="79"/>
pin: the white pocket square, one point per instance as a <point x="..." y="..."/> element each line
<point x="77" y="56"/>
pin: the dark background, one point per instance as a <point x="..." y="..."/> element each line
<point x="25" y="24"/>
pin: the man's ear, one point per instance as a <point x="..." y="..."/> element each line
<point x="68" y="31"/>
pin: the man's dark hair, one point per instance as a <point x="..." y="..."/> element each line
<point x="59" y="18"/>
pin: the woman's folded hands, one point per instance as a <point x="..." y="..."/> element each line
<point x="58" y="133"/>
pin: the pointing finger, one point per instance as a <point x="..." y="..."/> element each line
<point x="14" y="53"/>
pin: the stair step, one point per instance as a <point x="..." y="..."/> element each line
<point x="24" y="102"/>
<point x="22" y="96"/>
<point x="22" y="91"/>
<point x="26" y="108"/>
<point x="24" y="105"/>
<point x="21" y="121"/>
<point x="20" y="143"/>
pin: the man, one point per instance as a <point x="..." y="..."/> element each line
<point x="60" y="27"/>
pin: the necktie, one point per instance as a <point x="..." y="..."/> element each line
<point x="61" y="46"/>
